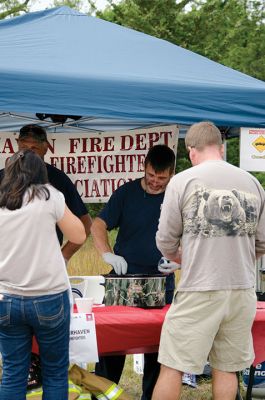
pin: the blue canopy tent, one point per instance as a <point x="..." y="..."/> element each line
<point x="60" y="61"/>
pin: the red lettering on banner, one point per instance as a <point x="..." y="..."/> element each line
<point x="51" y="145"/>
<point x="140" y="162"/>
<point x="153" y="138"/>
<point x="120" y="182"/>
<point x="70" y="165"/>
<point x="79" y="183"/>
<point x="102" y="161"/>
<point x="107" y="167"/>
<point x="91" y="145"/>
<point x="93" y="188"/>
<point x="91" y="161"/>
<point x="126" y="142"/>
<point x="73" y="144"/>
<point x="57" y="162"/>
<point x="108" y="143"/>
<point x="131" y="158"/>
<point x="105" y="186"/>
<point x="256" y="132"/>
<point x="111" y="163"/>
<point x="86" y="182"/>
<point x="120" y="163"/>
<point x="8" y="147"/>
<point x="95" y="145"/>
<point x="81" y="169"/>
<point x="99" y="164"/>
<point x="143" y="141"/>
<point x="84" y="146"/>
<point x="140" y="141"/>
<point x="166" y="136"/>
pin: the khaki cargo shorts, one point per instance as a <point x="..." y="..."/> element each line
<point x="214" y="325"/>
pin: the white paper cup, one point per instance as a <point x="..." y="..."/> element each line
<point x="84" y="304"/>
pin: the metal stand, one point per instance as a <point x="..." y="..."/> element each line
<point x="252" y="370"/>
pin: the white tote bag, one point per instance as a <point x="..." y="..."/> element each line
<point x="83" y="341"/>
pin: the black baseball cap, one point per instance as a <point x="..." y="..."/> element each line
<point x="34" y="131"/>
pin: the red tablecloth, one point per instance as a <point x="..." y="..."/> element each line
<point x="258" y="332"/>
<point x="131" y="330"/>
<point x="128" y="329"/>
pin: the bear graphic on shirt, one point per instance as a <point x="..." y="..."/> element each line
<point x="213" y="212"/>
<point x="223" y="209"/>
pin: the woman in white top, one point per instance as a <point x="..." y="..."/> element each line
<point x="33" y="279"/>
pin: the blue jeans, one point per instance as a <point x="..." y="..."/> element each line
<point x="48" y="318"/>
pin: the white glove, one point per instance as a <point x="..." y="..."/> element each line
<point x="166" y="266"/>
<point x="119" y="263"/>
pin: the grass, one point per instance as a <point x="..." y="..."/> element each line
<point x="131" y="383"/>
<point x="87" y="261"/>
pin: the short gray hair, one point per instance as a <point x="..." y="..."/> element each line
<point x="203" y="134"/>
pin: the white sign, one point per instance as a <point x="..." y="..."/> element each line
<point x="252" y="149"/>
<point x="98" y="163"/>
<point x="83" y="342"/>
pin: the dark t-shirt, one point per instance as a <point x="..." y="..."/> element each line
<point x="61" y="182"/>
<point x="136" y="214"/>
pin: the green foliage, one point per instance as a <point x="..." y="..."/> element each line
<point x="94" y="209"/>
<point x="76" y="4"/>
<point x="231" y="32"/>
<point x="233" y="35"/>
<point x="12" y="8"/>
<point x="232" y="151"/>
<point x="156" y="17"/>
<point x="261" y="177"/>
<point x="183" y="161"/>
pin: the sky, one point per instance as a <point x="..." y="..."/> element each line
<point x="42" y="4"/>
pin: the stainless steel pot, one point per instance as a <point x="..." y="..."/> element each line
<point x="146" y="291"/>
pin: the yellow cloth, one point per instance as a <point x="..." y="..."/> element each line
<point x="101" y="388"/>
<point x="73" y="393"/>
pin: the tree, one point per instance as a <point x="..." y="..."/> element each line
<point x="12" y="8"/>
<point x="231" y="32"/>
<point x="233" y="35"/>
<point x="156" y="17"/>
<point x="76" y="4"/>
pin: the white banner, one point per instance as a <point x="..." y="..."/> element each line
<point x="252" y="149"/>
<point x="98" y="163"/>
<point x="83" y="346"/>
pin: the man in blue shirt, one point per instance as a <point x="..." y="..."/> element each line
<point x="134" y="208"/>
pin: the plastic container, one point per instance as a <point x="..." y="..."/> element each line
<point x="84" y="304"/>
<point x="88" y="286"/>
